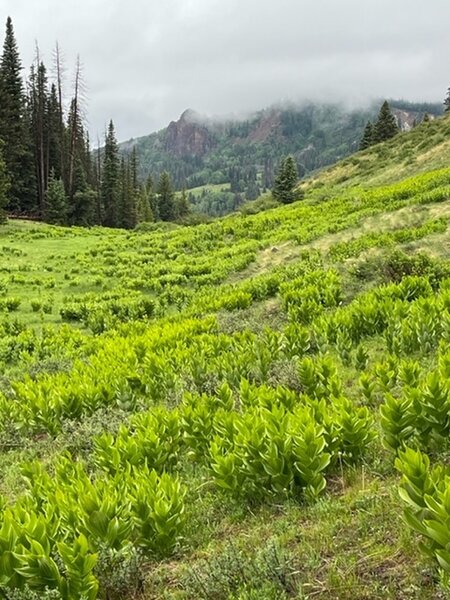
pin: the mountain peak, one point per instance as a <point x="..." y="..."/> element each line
<point x="188" y="135"/>
<point x="190" y="116"/>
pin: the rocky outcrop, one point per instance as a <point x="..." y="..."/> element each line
<point x="188" y="136"/>
<point x="408" y="119"/>
<point x="267" y="126"/>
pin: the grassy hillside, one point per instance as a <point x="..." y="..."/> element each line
<point x="222" y="411"/>
<point x="424" y="148"/>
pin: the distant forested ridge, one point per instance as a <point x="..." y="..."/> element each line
<point x="49" y="171"/>
<point x="226" y="162"/>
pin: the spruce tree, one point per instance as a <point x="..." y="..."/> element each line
<point x="75" y="147"/>
<point x="55" y="201"/>
<point x="368" y="135"/>
<point x="55" y="140"/>
<point x="153" y="200"/>
<point x="143" y="208"/>
<point x="4" y="185"/>
<point x="146" y="202"/>
<point x="132" y="196"/>
<point x="97" y="175"/>
<point x="182" y="205"/>
<point x="14" y="127"/>
<point x="285" y="181"/>
<point x="38" y="104"/>
<point x="110" y="179"/>
<point x="166" y="198"/>
<point x="386" y="126"/>
<point x="83" y="205"/>
<point x="252" y="192"/>
<point x="123" y="192"/>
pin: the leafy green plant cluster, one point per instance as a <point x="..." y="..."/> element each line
<point x="104" y="311"/>
<point x="307" y="297"/>
<point x="273" y="451"/>
<point x="260" y="441"/>
<point x="371" y="313"/>
<point x="425" y="491"/>
<point x="418" y="414"/>
<point x="9" y="304"/>
<point x="343" y="250"/>
<point x="53" y="535"/>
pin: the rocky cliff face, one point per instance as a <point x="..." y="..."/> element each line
<point x="407" y="119"/>
<point x="188" y="136"/>
<point x="267" y="126"/>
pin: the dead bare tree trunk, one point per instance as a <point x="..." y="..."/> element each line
<point x="59" y="69"/>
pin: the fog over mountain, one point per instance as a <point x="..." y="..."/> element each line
<point x="146" y="61"/>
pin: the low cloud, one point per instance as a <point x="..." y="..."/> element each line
<point x="146" y="61"/>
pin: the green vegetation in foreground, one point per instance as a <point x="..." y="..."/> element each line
<point x="222" y="411"/>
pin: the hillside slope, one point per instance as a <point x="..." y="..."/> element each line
<point x="222" y="411"/>
<point x="242" y="155"/>
<point x="424" y="148"/>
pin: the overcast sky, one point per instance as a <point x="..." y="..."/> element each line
<point x="145" y="61"/>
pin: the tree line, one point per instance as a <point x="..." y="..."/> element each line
<point x="383" y="129"/>
<point x="386" y="126"/>
<point x="47" y="167"/>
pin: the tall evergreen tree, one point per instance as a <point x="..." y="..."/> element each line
<point x="386" y="126"/>
<point x="110" y="179"/>
<point x="146" y="203"/>
<point x="55" y="138"/>
<point x="143" y="208"/>
<point x="133" y="192"/>
<point x="88" y="162"/>
<point x="38" y="104"/>
<point x="74" y="146"/>
<point x="55" y="201"/>
<point x="14" y="127"/>
<point x="123" y="193"/>
<point x="4" y="185"/>
<point x="368" y="136"/>
<point x="83" y="206"/>
<point x="97" y="175"/>
<point x="79" y="180"/>
<point x="151" y="195"/>
<point x="285" y="181"/>
<point x="252" y="192"/>
<point x="166" y="198"/>
<point x="182" y="205"/>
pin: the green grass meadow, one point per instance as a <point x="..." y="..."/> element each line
<point x="252" y="408"/>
